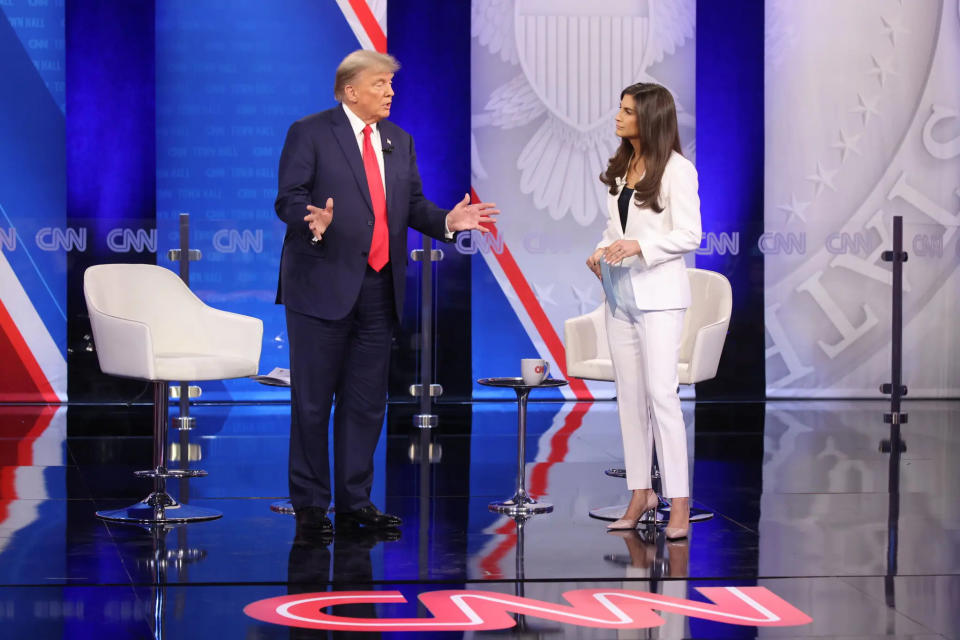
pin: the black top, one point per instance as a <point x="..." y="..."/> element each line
<point x="624" y="203"/>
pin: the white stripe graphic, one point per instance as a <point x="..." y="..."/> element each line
<point x="29" y="482"/>
<point x="379" y="10"/>
<point x="31" y="327"/>
<point x="524" y="319"/>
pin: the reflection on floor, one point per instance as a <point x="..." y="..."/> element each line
<point x="802" y="529"/>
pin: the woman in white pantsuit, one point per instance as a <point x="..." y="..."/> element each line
<point x="654" y="218"/>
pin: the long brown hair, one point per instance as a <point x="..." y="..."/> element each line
<point x="656" y="116"/>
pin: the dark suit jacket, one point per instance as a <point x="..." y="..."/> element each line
<point x="321" y="159"/>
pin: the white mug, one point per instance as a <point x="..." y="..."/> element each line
<point x="534" y="370"/>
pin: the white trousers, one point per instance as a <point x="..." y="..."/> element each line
<point x="645" y="349"/>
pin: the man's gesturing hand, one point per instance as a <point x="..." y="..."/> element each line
<point x="319" y="219"/>
<point x="466" y="216"/>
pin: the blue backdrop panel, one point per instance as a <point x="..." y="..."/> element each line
<point x="231" y="78"/>
<point x="730" y="138"/>
<point x="39" y="25"/>
<point x="32" y="162"/>
<point x="110" y="124"/>
<point x="435" y="67"/>
<point x="111" y="165"/>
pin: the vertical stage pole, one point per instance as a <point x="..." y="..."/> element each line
<point x="426" y="389"/>
<point x="895" y="446"/>
<point x="183" y="257"/>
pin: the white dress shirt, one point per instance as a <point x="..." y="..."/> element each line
<point x="358" y="125"/>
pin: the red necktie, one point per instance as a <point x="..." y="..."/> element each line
<point x="380" y="245"/>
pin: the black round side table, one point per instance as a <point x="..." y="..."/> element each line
<point x="521" y="504"/>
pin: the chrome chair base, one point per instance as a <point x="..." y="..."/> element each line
<point x="518" y="508"/>
<point x="286" y="507"/>
<point x="159" y="508"/>
<point x="699" y="515"/>
<point x="662" y="514"/>
<point x="282" y="506"/>
<point x="170" y="473"/>
<point x="663" y="511"/>
<point x="616" y="512"/>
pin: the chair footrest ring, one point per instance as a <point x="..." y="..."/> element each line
<point x="170" y="473"/>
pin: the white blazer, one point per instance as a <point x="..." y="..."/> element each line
<point x="659" y="275"/>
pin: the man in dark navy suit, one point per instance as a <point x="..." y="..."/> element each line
<point x="342" y="281"/>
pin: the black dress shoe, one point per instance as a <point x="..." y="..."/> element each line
<point x="364" y="538"/>
<point x="368" y="516"/>
<point x="313" y="520"/>
<point x="312" y="539"/>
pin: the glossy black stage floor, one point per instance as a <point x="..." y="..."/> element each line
<point x="803" y="536"/>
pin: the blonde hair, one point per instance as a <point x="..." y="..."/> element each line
<point x="357" y="62"/>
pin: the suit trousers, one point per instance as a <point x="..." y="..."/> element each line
<point x="645" y="349"/>
<point x="341" y="364"/>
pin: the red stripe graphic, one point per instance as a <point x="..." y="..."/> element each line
<point x="370" y="25"/>
<point x="535" y="311"/>
<point x="559" y="443"/>
<point x="8" y="491"/>
<point x="491" y="562"/>
<point x="22" y="448"/>
<point x="559" y="447"/>
<point x="10" y="384"/>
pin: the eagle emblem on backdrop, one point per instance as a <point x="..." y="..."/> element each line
<point x="881" y="142"/>
<point x="573" y="59"/>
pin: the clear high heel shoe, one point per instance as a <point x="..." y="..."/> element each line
<point x="632" y="523"/>
<point x="678" y="533"/>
